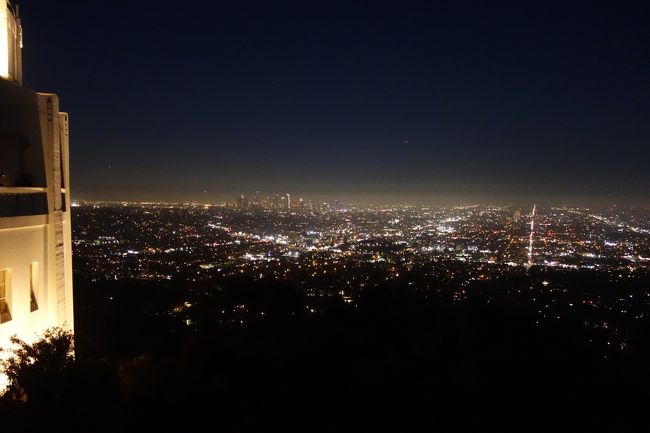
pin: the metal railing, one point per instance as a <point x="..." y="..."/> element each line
<point x="22" y="201"/>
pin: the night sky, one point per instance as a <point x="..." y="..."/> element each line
<point x="364" y="101"/>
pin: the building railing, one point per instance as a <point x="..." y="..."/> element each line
<point x="18" y="201"/>
<point x="15" y="190"/>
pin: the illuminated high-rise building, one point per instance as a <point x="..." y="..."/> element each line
<point x="35" y="236"/>
<point x="243" y="203"/>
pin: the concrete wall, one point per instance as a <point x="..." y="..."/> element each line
<point x="20" y="248"/>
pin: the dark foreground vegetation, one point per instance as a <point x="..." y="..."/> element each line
<point x="395" y="360"/>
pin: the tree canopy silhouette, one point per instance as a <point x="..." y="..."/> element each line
<point x="39" y="370"/>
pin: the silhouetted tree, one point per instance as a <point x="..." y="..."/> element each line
<point x="46" y="382"/>
<point x="40" y="371"/>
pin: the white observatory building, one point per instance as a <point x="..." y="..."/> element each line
<point x="35" y="236"/>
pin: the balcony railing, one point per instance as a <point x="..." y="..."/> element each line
<point x="16" y="190"/>
<point x="23" y="201"/>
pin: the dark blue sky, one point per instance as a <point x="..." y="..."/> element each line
<point x="366" y="101"/>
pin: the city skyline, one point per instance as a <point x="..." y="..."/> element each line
<point x="383" y="200"/>
<point x="423" y="103"/>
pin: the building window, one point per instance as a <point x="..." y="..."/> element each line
<point x="5" y="288"/>
<point x="33" y="286"/>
